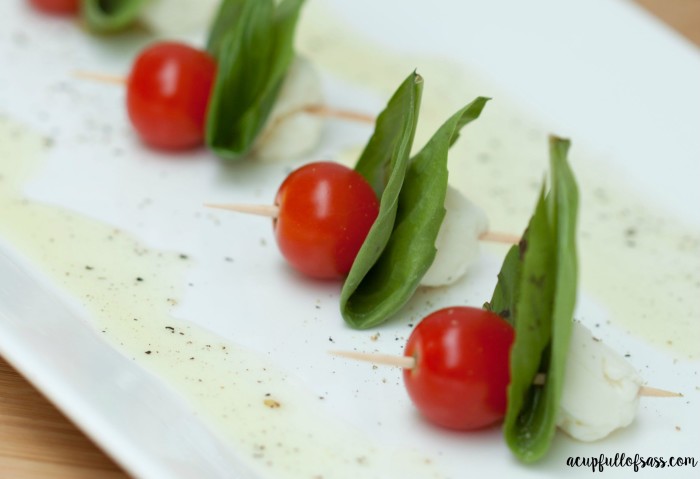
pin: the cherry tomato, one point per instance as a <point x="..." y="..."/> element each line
<point x="325" y="212"/>
<point x="462" y="367"/>
<point x="167" y="95"/>
<point x="59" y="7"/>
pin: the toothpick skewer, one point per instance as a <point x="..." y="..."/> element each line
<point x="649" y="391"/>
<point x="409" y="362"/>
<point x="404" y="362"/>
<point x="328" y="112"/>
<point x="100" y="77"/>
<point x="498" y="237"/>
<point x="271" y="211"/>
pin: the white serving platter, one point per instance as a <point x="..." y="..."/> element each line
<point x="213" y="287"/>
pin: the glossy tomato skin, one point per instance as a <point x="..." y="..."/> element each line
<point x="167" y="95"/>
<point x="325" y="212"/>
<point x="462" y="367"/>
<point x="58" y="7"/>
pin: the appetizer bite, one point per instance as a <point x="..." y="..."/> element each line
<point x="247" y="95"/>
<point x="522" y="359"/>
<point x="169" y="89"/>
<point x="397" y="248"/>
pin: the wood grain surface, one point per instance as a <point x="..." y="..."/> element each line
<point x="37" y="441"/>
<point x="682" y="15"/>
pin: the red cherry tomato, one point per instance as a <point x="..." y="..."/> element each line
<point x="167" y="95"/>
<point x="325" y="212"/>
<point x="59" y="7"/>
<point x="462" y="367"/>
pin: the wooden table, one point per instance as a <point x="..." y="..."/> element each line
<point x="37" y="441"/>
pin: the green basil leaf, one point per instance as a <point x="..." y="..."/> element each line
<point x="391" y="142"/>
<point x="228" y="14"/>
<point x="532" y="317"/>
<point x="563" y="212"/>
<point x="504" y="295"/>
<point x="394" y="276"/>
<point x="253" y="52"/>
<point x="537" y="287"/>
<point x="393" y="134"/>
<point x="109" y="16"/>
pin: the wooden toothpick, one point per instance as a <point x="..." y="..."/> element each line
<point x="270" y="211"/>
<point x="497" y="237"/>
<point x="329" y="112"/>
<point x="648" y="391"/>
<point x="100" y="77"/>
<point x="404" y="362"/>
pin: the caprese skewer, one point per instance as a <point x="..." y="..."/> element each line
<point x="412" y="224"/>
<point x="456" y="372"/>
<point x="522" y="358"/>
<point x="169" y="88"/>
<point x="323" y="212"/>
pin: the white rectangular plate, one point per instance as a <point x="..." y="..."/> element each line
<point x="178" y="339"/>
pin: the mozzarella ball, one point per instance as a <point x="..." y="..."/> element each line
<point x="169" y="17"/>
<point x="457" y="242"/>
<point x="601" y="389"/>
<point x="290" y="131"/>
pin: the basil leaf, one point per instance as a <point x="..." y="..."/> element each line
<point x="537" y="287"/>
<point x="563" y="212"/>
<point x="109" y="16"/>
<point x="394" y="276"/>
<point x="503" y="296"/>
<point x="391" y="142"/>
<point x="253" y="52"/>
<point x="532" y="316"/>
<point x="228" y="14"/>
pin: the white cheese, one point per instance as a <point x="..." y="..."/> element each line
<point x="458" y="240"/>
<point x="601" y="389"/>
<point x="170" y="17"/>
<point x="290" y="131"/>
